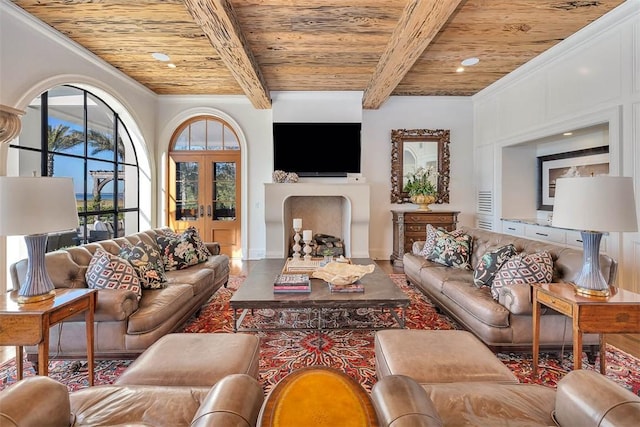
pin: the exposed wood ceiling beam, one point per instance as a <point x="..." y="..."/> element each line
<point x="219" y="23"/>
<point x="420" y="22"/>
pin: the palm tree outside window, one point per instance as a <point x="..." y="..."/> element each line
<point x="68" y="131"/>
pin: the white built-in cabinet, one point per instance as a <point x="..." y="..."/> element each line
<point x="546" y="233"/>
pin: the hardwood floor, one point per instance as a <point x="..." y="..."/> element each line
<point x="627" y="343"/>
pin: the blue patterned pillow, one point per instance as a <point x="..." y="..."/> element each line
<point x="107" y="271"/>
<point x="451" y="250"/>
<point x="147" y="262"/>
<point x="490" y="264"/>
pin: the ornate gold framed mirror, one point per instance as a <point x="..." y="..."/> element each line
<point x="412" y="149"/>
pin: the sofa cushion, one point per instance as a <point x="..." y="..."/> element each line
<point x="491" y="404"/>
<point x="477" y="302"/>
<point x="157" y="306"/>
<point x="147" y="262"/>
<point x="199" y="277"/>
<point x="490" y="263"/>
<point x="136" y="405"/>
<point x="451" y="250"/>
<point x="108" y="271"/>
<point x="432" y="236"/>
<point x="525" y="268"/>
<point x="182" y="250"/>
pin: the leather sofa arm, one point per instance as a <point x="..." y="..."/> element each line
<point x="516" y="298"/>
<point x="35" y="402"/>
<point x="115" y="304"/>
<point x="586" y="398"/>
<point x="214" y="247"/>
<point x="234" y="400"/>
<point x="401" y="402"/>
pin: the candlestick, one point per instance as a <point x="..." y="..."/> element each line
<point x="307" y="235"/>
<point x="307" y="249"/>
<point x="297" y="225"/>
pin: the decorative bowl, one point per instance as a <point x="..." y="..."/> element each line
<point x="340" y="273"/>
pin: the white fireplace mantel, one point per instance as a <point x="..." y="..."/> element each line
<point x="355" y="215"/>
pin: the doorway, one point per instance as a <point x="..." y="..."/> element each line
<point x="204" y="182"/>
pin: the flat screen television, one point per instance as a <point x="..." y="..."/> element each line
<point x="317" y="149"/>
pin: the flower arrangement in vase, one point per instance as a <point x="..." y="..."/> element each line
<point x="421" y="188"/>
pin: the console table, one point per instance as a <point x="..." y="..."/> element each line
<point x="411" y="226"/>
<point x="28" y="324"/>
<point x="618" y="313"/>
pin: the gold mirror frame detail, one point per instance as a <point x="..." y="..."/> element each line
<point x="398" y="138"/>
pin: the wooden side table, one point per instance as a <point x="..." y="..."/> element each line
<point x="28" y="324"/>
<point x="411" y="226"/>
<point x="618" y="313"/>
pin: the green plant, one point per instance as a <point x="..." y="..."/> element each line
<point x="421" y="182"/>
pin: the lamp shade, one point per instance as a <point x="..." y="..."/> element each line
<point x="596" y="203"/>
<point x="36" y="205"/>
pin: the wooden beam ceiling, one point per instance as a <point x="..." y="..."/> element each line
<point x="219" y="23"/>
<point x="420" y="22"/>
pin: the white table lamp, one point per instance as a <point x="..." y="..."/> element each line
<point x="594" y="205"/>
<point x="33" y="207"/>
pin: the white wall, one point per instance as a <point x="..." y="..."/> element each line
<point x="415" y="112"/>
<point x="256" y="141"/>
<point x="591" y="78"/>
<point x="399" y="112"/>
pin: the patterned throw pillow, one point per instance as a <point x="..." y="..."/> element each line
<point x="452" y="251"/>
<point x="490" y="264"/>
<point x="147" y="262"/>
<point x="430" y="241"/>
<point x="523" y="269"/>
<point x="182" y="250"/>
<point x="108" y="271"/>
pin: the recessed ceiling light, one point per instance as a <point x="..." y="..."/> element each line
<point x="470" y="61"/>
<point x="171" y="65"/>
<point x="459" y="69"/>
<point x="568" y="133"/>
<point x="160" y="56"/>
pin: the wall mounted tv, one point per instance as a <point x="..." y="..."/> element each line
<point x="317" y="149"/>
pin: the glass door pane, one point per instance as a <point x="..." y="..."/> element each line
<point x="186" y="191"/>
<point x="224" y="191"/>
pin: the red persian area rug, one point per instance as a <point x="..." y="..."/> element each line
<point x="350" y="350"/>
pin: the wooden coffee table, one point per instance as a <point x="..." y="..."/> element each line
<point x="318" y="396"/>
<point x="257" y="293"/>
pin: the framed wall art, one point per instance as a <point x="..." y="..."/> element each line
<point x="587" y="162"/>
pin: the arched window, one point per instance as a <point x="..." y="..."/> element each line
<point x="205" y="133"/>
<point x="70" y="132"/>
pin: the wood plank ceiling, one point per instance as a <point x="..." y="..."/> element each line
<point x="252" y="47"/>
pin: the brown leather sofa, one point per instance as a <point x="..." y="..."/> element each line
<point x="505" y="324"/>
<point x="124" y="326"/>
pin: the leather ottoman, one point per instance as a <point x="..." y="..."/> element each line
<point x="437" y="356"/>
<point x="194" y="360"/>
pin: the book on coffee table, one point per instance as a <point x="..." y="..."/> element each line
<point x="352" y="287"/>
<point x="291" y="283"/>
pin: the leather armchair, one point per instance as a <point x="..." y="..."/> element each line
<point x="43" y="402"/>
<point x="583" y="398"/>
